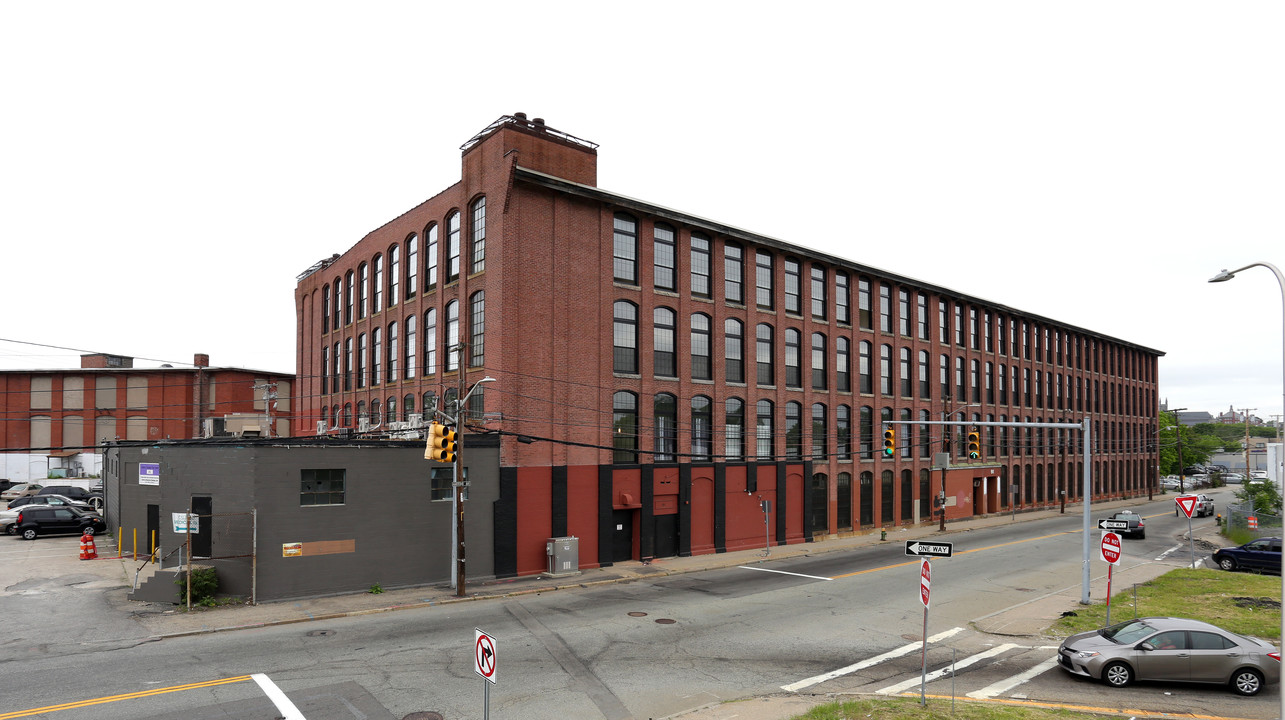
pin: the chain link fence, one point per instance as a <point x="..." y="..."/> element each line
<point x="1243" y="517"/>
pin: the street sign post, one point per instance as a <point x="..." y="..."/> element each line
<point x="484" y="665"/>
<point x="925" y="583"/>
<point x="1187" y="503"/>
<point x="1111" y="554"/>
<point x="918" y="548"/>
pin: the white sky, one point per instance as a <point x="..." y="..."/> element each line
<point x="169" y="168"/>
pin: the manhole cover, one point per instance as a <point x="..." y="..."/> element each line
<point x="320" y="633"/>
<point x="637" y="614"/>
<point x="425" y="715"/>
<point x="665" y="621"/>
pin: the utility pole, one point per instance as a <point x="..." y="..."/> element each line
<point x="269" y="399"/>
<point x="459" y="474"/>
<point x="1177" y="430"/>
<point x="1246" y="411"/>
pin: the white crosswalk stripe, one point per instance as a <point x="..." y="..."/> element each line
<point x="855" y="667"/>
<point x="1013" y="681"/>
<point x="943" y="672"/>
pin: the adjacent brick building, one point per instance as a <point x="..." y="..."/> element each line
<point x="660" y="375"/>
<point x="67" y="413"/>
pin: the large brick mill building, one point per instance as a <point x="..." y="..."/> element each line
<point x="659" y="375"/>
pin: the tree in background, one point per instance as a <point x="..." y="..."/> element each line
<point x="1263" y="496"/>
<point x="1196" y="447"/>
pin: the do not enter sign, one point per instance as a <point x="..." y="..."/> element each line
<point x="925" y="580"/>
<point x="1111" y="547"/>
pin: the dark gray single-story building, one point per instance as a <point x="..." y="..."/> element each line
<point x="286" y="518"/>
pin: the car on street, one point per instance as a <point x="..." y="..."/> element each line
<point x="1135" y="526"/>
<point x="1263" y="554"/>
<point x="1174" y="650"/>
<point x="1204" y="505"/>
<point x="47" y="500"/>
<point x="40" y="520"/>
<point x="20" y="490"/>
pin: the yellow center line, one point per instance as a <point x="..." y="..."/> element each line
<point x="125" y="696"/>
<point x="962" y="552"/>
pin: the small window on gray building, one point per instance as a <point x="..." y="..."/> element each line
<point x="440" y="484"/>
<point x="321" y="487"/>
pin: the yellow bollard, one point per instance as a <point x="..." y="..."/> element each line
<point x="120" y="536"/>
<point x="152" y="550"/>
<point x="135" y="543"/>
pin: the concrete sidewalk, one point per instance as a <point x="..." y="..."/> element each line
<point x="1030" y="618"/>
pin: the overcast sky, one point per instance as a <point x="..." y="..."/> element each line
<point x="170" y="168"/>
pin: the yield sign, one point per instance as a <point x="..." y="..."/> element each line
<point x="484" y="655"/>
<point x="1111" y="547"/>
<point x="925" y="580"/>
<point x="1187" y="503"/>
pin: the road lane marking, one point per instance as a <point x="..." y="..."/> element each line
<point x="1173" y="549"/>
<point x="119" y="698"/>
<point x="278" y="698"/>
<point x="970" y="660"/>
<point x="783" y="572"/>
<point x="1009" y="683"/>
<point x="898" y="652"/>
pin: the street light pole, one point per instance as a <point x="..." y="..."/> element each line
<point x="1224" y="276"/>
<point x="457" y="497"/>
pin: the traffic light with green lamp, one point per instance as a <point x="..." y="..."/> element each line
<point x="441" y="443"/>
<point x="974" y="444"/>
<point x="889" y="442"/>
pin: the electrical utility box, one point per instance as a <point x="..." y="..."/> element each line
<point x="564" y="556"/>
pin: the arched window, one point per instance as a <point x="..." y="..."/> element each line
<point x="904" y="378"/>
<point x="844" y="505"/>
<point x="477" y="329"/>
<point x="377" y="358"/>
<point x="408" y="406"/>
<point x="349" y="282"/>
<point x="702" y="428"/>
<point x="377" y="285"/>
<point x="865" y="383"/>
<point x="412" y="265"/>
<point x="665" y="412"/>
<point x="793" y="371"/>
<point x="701" y="362"/>
<point x="363" y="283"/>
<point x="430" y="257"/>
<point x="664" y="355"/>
<point x="411" y="346"/>
<point x="843" y="364"/>
<point x="393" y="356"/>
<point x="843" y="433"/>
<point x="479" y="236"/>
<point x="325" y="370"/>
<point x="334" y="308"/>
<point x="430" y="341"/>
<point x="820" y="433"/>
<point x="734" y="350"/>
<point x="866" y="432"/>
<point x="819" y="376"/>
<point x="624" y="337"/>
<point x="452" y="339"/>
<point x="362" y="350"/>
<point x="925" y="385"/>
<point x="763" y="354"/>
<point x="793" y="430"/>
<point x="394" y="274"/>
<point x="348" y="364"/>
<point x="885" y="370"/>
<point x="453" y="247"/>
<point x="764" y="434"/>
<point x="390" y="410"/>
<point x="325" y="309"/>
<point x="624" y="424"/>
<point x="734" y="429"/>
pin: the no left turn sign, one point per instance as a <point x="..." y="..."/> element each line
<point x="484" y="655"/>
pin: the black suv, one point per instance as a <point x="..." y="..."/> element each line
<point x="49" y="520"/>
<point x="89" y="497"/>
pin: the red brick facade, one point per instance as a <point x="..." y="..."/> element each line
<point x="550" y="295"/>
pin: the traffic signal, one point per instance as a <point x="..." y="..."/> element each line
<point x="441" y="443"/>
<point x="889" y="442"/>
<point x="974" y="444"/>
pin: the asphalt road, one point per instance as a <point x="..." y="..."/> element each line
<point x="646" y="649"/>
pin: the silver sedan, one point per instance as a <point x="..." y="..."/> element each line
<point x="1171" y="649"/>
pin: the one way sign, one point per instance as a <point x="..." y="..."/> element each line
<point x="925" y="549"/>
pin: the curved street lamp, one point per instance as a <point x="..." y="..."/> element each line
<point x="1224" y="276"/>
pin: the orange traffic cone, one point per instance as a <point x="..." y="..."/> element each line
<point x="88" y="550"/>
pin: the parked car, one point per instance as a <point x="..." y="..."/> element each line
<point x="1195" y="470"/>
<point x="1258" y="475"/>
<point x="1204" y="505"/>
<point x="47" y="500"/>
<point x="9" y="520"/>
<point x="1171" y="649"/>
<point x="1137" y="528"/>
<point x="1232" y="478"/>
<point x="1261" y="554"/>
<point x="21" y="490"/>
<point x="71" y="491"/>
<point x="1170" y="483"/>
<point x="33" y="522"/>
<point x="6" y="484"/>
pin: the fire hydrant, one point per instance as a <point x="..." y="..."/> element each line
<point x="883" y="534"/>
<point x="88" y="551"/>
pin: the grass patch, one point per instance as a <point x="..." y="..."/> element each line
<point x="1239" y="602"/>
<point x="876" y="708"/>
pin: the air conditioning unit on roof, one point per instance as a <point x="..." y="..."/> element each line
<point x="321" y="427"/>
<point x="363" y="425"/>
<point x="415" y="420"/>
